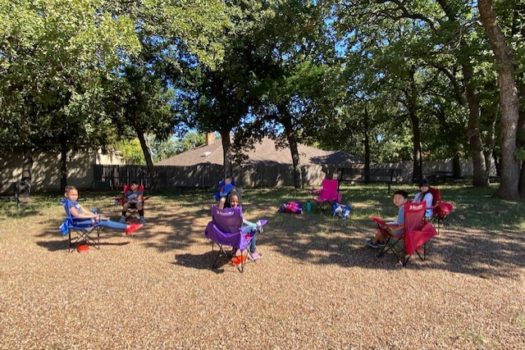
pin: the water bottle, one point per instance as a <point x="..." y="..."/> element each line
<point x="308" y="207"/>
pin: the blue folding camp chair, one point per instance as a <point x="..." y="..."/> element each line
<point x="84" y="229"/>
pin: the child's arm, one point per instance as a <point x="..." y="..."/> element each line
<point x="249" y="223"/>
<point x="84" y="215"/>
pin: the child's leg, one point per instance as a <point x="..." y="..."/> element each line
<point x="113" y="225"/>
<point x="379" y="236"/>
<point x="125" y="207"/>
<point x="253" y="244"/>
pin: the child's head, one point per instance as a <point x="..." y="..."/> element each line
<point x="233" y="200"/>
<point x="424" y="186"/>
<point x="71" y="193"/>
<point x="399" y="198"/>
<point x="134" y="185"/>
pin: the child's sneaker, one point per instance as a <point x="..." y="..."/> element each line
<point x="132" y="228"/>
<point x="370" y="242"/>
<point x="142" y="220"/>
<point x="255" y="256"/>
<point x="122" y="220"/>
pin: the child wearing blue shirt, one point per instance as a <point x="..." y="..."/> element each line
<point x="395" y="227"/>
<point x="83" y="217"/>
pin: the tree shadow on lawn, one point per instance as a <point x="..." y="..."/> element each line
<point x="175" y="231"/>
<point x="479" y="253"/>
<point x="319" y="239"/>
<point x="202" y="261"/>
<point x="54" y="246"/>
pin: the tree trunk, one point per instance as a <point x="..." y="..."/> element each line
<point x="490" y="142"/>
<point x="520" y="138"/>
<point x="227" y="156"/>
<point x="473" y="133"/>
<point x="509" y="102"/>
<point x="63" y="164"/>
<point x="367" y="147"/>
<point x="146" y="150"/>
<point x="417" y="168"/>
<point x="480" y="178"/>
<point x="27" y="167"/>
<point x="456" y="166"/>
<point x="292" y="142"/>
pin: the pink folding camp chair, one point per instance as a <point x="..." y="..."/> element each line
<point x="416" y="234"/>
<point x="329" y="192"/>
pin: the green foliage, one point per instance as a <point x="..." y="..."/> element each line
<point x="52" y="56"/>
<point x="173" y="146"/>
<point x="131" y="151"/>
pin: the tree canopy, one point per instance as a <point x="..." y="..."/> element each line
<point x="386" y="80"/>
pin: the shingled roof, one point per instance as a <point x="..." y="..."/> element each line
<point x="265" y="151"/>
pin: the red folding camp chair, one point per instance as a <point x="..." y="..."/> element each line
<point x="416" y="234"/>
<point x="440" y="208"/>
<point x="131" y="211"/>
<point x="329" y="192"/>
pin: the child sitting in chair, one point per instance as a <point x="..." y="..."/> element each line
<point x="225" y="187"/>
<point x="82" y="216"/>
<point x="394" y="228"/>
<point x="424" y="195"/>
<point x="133" y="199"/>
<point x="233" y="201"/>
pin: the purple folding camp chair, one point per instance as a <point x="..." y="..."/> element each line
<point x="225" y="229"/>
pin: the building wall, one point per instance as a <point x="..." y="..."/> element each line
<point x="46" y="169"/>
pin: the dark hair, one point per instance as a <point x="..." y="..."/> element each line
<point x="424" y="182"/>
<point x="402" y="193"/>
<point x="232" y="193"/>
<point x="69" y="188"/>
<point x="133" y="182"/>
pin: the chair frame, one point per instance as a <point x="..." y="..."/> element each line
<point x="121" y="200"/>
<point x="221" y="252"/>
<point x="436" y="202"/>
<point x="392" y="240"/>
<point x="84" y="237"/>
<point x="321" y="203"/>
<point x="83" y="234"/>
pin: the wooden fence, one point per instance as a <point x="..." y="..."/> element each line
<point x="205" y="175"/>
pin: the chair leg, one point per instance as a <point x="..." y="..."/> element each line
<point x="70" y="243"/>
<point x="220" y="253"/>
<point x="384" y="248"/>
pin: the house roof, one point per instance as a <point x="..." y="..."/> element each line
<point x="264" y="151"/>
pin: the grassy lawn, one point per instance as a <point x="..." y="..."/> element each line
<point x="317" y="285"/>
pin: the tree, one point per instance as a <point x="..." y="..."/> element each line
<point x="53" y="54"/>
<point x="174" y="37"/>
<point x="508" y="100"/>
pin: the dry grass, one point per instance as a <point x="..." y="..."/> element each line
<point x="317" y="287"/>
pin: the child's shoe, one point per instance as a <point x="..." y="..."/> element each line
<point x="255" y="256"/>
<point x="142" y="220"/>
<point x="122" y="219"/>
<point x="132" y="228"/>
<point x="376" y="245"/>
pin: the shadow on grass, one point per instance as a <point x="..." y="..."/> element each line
<point x="482" y="238"/>
<point x="479" y="253"/>
<point x="201" y="261"/>
<point x="54" y="246"/>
